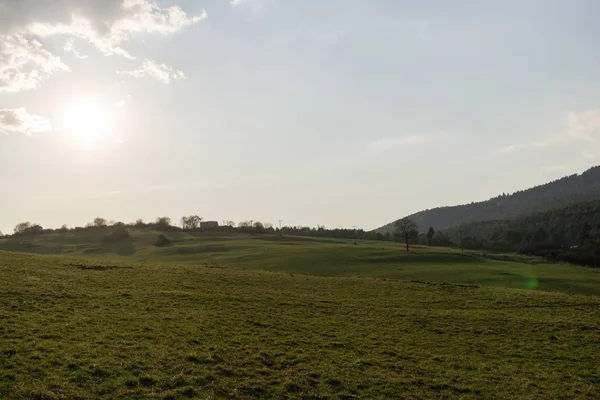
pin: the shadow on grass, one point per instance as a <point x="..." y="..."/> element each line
<point x="206" y="248"/>
<point x="125" y="248"/>
<point x="415" y="258"/>
<point x="512" y="258"/>
<point x="30" y="246"/>
<point x="295" y="239"/>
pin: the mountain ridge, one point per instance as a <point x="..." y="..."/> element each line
<point x="562" y="191"/>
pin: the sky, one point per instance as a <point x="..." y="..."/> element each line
<point x="338" y="113"/>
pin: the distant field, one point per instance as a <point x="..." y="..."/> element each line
<point x="321" y="257"/>
<point x="84" y="329"/>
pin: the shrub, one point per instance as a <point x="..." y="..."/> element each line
<point x="162" y="241"/>
<point x="163" y="224"/>
<point x="119" y="235"/>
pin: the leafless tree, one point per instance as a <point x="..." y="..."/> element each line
<point x="100" y="222"/>
<point x="406" y="229"/>
<point x="191" y="222"/>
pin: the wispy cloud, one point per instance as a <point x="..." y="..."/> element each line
<point x="134" y="16"/>
<point x="150" y="68"/>
<point x="105" y="24"/>
<point x="20" y="121"/>
<point x="551" y="141"/>
<point x="392" y="143"/>
<point x="579" y="126"/>
<point x="24" y="63"/>
<point x="69" y="47"/>
<point x="510" y="149"/>
<point x="584" y="125"/>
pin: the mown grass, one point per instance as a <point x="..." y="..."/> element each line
<point x="321" y="257"/>
<point x="79" y="329"/>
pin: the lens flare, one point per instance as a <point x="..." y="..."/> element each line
<point x="87" y="121"/>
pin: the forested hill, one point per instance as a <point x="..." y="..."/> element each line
<point x="560" y="192"/>
<point x="570" y="233"/>
<point x="576" y="224"/>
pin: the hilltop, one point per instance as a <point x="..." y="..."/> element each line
<point x="573" y="188"/>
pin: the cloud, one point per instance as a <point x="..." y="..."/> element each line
<point x="105" y="18"/>
<point x="20" y="121"/>
<point x="105" y="24"/>
<point x="150" y="68"/>
<point x="133" y="16"/>
<point x="392" y="143"/>
<point x="580" y="126"/>
<point x="548" y="142"/>
<point x="513" y="148"/>
<point x="24" y="63"/>
<point x="69" y="47"/>
<point x="584" y="125"/>
<point x="510" y="149"/>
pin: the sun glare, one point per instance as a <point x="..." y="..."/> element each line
<point x="88" y="121"/>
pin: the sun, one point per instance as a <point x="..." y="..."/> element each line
<point x="87" y="120"/>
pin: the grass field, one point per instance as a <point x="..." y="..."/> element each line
<point x="83" y="329"/>
<point x="321" y="257"/>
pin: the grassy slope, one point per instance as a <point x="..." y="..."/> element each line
<point x="325" y="257"/>
<point x="76" y="329"/>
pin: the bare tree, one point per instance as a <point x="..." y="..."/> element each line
<point x="22" y="227"/>
<point x="27" y="228"/>
<point x="406" y="229"/>
<point x="100" y="222"/>
<point x="191" y="222"/>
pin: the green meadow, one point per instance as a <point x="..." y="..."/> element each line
<point x="318" y="256"/>
<point x="250" y="316"/>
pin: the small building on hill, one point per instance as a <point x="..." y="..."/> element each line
<point x="209" y="224"/>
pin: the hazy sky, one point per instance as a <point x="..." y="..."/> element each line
<point x="333" y="112"/>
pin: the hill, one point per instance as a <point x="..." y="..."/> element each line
<point x="569" y="233"/>
<point x="314" y="256"/>
<point x="562" y="226"/>
<point x="574" y="188"/>
<point x="85" y="329"/>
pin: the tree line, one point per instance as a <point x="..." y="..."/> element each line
<point x="194" y="223"/>
<point x="569" y="233"/>
<point x="407" y="233"/>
